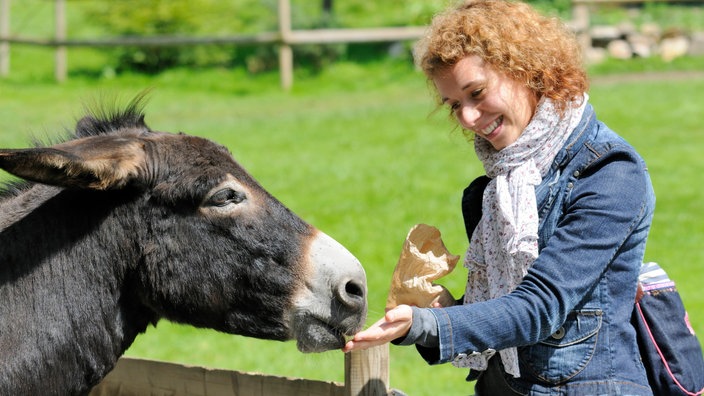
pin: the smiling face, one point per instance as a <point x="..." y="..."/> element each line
<point x="486" y="102"/>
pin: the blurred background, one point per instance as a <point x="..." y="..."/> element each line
<point x="321" y="102"/>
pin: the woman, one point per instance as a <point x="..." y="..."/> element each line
<point x="554" y="259"/>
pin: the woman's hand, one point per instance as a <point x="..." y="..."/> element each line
<point x="395" y="324"/>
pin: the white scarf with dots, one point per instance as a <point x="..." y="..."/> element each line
<point x="505" y="242"/>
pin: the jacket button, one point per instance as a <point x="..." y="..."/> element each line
<point x="559" y="334"/>
<point x="576" y="174"/>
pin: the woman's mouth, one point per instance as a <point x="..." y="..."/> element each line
<point x="491" y="128"/>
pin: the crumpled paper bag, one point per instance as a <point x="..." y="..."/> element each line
<point x="424" y="259"/>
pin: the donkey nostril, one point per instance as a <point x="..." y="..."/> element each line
<point x="351" y="294"/>
<point x="353" y="288"/>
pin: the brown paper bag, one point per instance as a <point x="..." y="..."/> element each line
<point x="424" y="258"/>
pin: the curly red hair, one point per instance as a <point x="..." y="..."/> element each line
<point x="514" y="39"/>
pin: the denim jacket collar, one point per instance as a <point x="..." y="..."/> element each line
<point x="577" y="138"/>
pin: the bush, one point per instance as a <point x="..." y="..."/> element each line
<point x="173" y="18"/>
<point x="213" y="17"/>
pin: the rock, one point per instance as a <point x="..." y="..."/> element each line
<point x="643" y="46"/>
<point x="619" y="49"/>
<point x="652" y="30"/>
<point x="696" y="45"/>
<point x="603" y="35"/>
<point x="673" y="47"/>
<point x="594" y="56"/>
<point x="626" y="28"/>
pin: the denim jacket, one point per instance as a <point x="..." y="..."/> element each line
<point x="569" y="317"/>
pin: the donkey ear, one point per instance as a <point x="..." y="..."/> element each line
<point x="98" y="162"/>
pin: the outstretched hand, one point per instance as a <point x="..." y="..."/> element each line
<point x="395" y="324"/>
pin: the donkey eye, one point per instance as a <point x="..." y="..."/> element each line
<point x="226" y="196"/>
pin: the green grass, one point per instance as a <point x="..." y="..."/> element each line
<point x="357" y="152"/>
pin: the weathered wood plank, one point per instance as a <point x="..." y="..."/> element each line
<point x="136" y="377"/>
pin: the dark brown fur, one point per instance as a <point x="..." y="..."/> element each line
<point x="116" y="230"/>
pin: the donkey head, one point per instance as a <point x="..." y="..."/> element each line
<point x="212" y="247"/>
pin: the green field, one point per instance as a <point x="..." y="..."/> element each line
<point x="358" y="152"/>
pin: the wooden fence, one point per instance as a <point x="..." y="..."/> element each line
<point x="366" y="374"/>
<point x="284" y="38"/>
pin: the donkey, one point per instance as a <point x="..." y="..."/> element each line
<point x="120" y="226"/>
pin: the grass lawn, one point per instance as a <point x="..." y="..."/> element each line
<point x="358" y="152"/>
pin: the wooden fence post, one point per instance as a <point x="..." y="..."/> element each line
<point x="285" y="50"/>
<point x="580" y="18"/>
<point x="367" y="372"/>
<point x="4" y="32"/>
<point x="60" y="69"/>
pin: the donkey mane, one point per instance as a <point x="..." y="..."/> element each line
<point x="104" y="119"/>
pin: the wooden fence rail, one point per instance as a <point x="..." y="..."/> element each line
<point x="284" y="38"/>
<point x="366" y="374"/>
<point x="317" y="36"/>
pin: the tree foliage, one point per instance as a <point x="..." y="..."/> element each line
<point x="216" y="17"/>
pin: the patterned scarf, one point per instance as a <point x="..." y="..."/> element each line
<point x="505" y="242"/>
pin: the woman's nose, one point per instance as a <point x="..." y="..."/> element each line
<point x="467" y="116"/>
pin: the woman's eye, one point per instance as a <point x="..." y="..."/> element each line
<point x="477" y="92"/>
<point x="226" y="196"/>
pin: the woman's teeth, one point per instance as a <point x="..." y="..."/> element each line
<point x="489" y="129"/>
